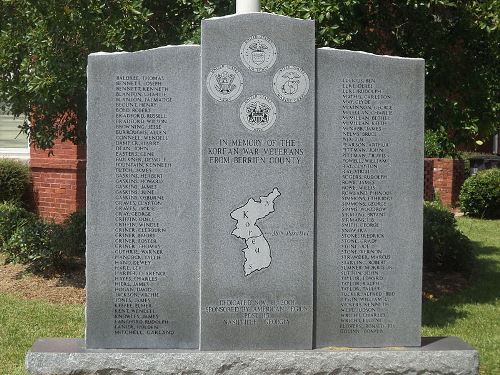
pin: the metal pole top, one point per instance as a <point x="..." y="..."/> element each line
<point x="247" y="6"/>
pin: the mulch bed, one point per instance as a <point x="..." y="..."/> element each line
<point x="439" y="284"/>
<point x="56" y="287"/>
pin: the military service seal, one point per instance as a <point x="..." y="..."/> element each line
<point x="258" y="53"/>
<point x="290" y="84"/>
<point x="258" y="113"/>
<point x="224" y="83"/>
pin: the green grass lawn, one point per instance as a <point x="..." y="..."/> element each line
<point x="22" y="322"/>
<point x="473" y="314"/>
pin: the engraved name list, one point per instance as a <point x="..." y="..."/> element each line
<point x="366" y="198"/>
<point x="140" y="170"/>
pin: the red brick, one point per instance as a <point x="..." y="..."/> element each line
<point x="444" y="177"/>
<point x="58" y="180"/>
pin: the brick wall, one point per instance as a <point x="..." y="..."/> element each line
<point x="58" y="180"/>
<point x="428" y="179"/>
<point x="445" y="178"/>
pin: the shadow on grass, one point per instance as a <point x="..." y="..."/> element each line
<point x="70" y="273"/>
<point x="483" y="289"/>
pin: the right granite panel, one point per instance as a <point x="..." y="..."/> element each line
<point x="369" y="193"/>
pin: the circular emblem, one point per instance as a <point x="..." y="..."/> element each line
<point x="290" y="84"/>
<point x="258" y="53"/>
<point x="258" y="113"/>
<point x="224" y="83"/>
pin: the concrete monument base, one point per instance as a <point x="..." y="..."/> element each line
<point x="437" y="355"/>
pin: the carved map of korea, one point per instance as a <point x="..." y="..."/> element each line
<point x="257" y="253"/>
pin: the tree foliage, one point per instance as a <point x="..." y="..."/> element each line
<point x="43" y="56"/>
<point x="44" y="45"/>
<point x="459" y="40"/>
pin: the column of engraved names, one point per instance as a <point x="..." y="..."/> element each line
<point x="140" y="170"/>
<point x="365" y="298"/>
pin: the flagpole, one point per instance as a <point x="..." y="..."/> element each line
<point x="247" y="6"/>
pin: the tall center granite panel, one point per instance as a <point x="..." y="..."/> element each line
<point x="370" y="118"/>
<point x="143" y="199"/>
<point x="257" y="185"/>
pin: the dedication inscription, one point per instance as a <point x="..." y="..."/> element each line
<point x="369" y="201"/>
<point x="257" y="186"/>
<point x="142" y="269"/>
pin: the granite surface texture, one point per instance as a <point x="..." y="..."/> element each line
<point x="370" y="123"/>
<point x="143" y="199"/>
<point x="257" y="182"/>
<point x="437" y="356"/>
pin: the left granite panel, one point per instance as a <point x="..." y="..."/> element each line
<point x="143" y="135"/>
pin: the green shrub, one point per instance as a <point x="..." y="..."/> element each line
<point x="445" y="247"/>
<point x="14" y="179"/>
<point x="438" y="145"/>
<point x="480" y="194"/>
<point x="32" y="242"/>
<point x="70" y="235"/>
<point x="12" y="215"/>
<point x="28" y="239"/>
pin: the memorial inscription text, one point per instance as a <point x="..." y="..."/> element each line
<point x="366" y="118"/>
<point x="141" y="124"/>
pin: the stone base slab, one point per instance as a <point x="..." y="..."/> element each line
<point x="437" y="355"/>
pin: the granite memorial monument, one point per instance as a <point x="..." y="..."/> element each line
<point x="248" y="194"/>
